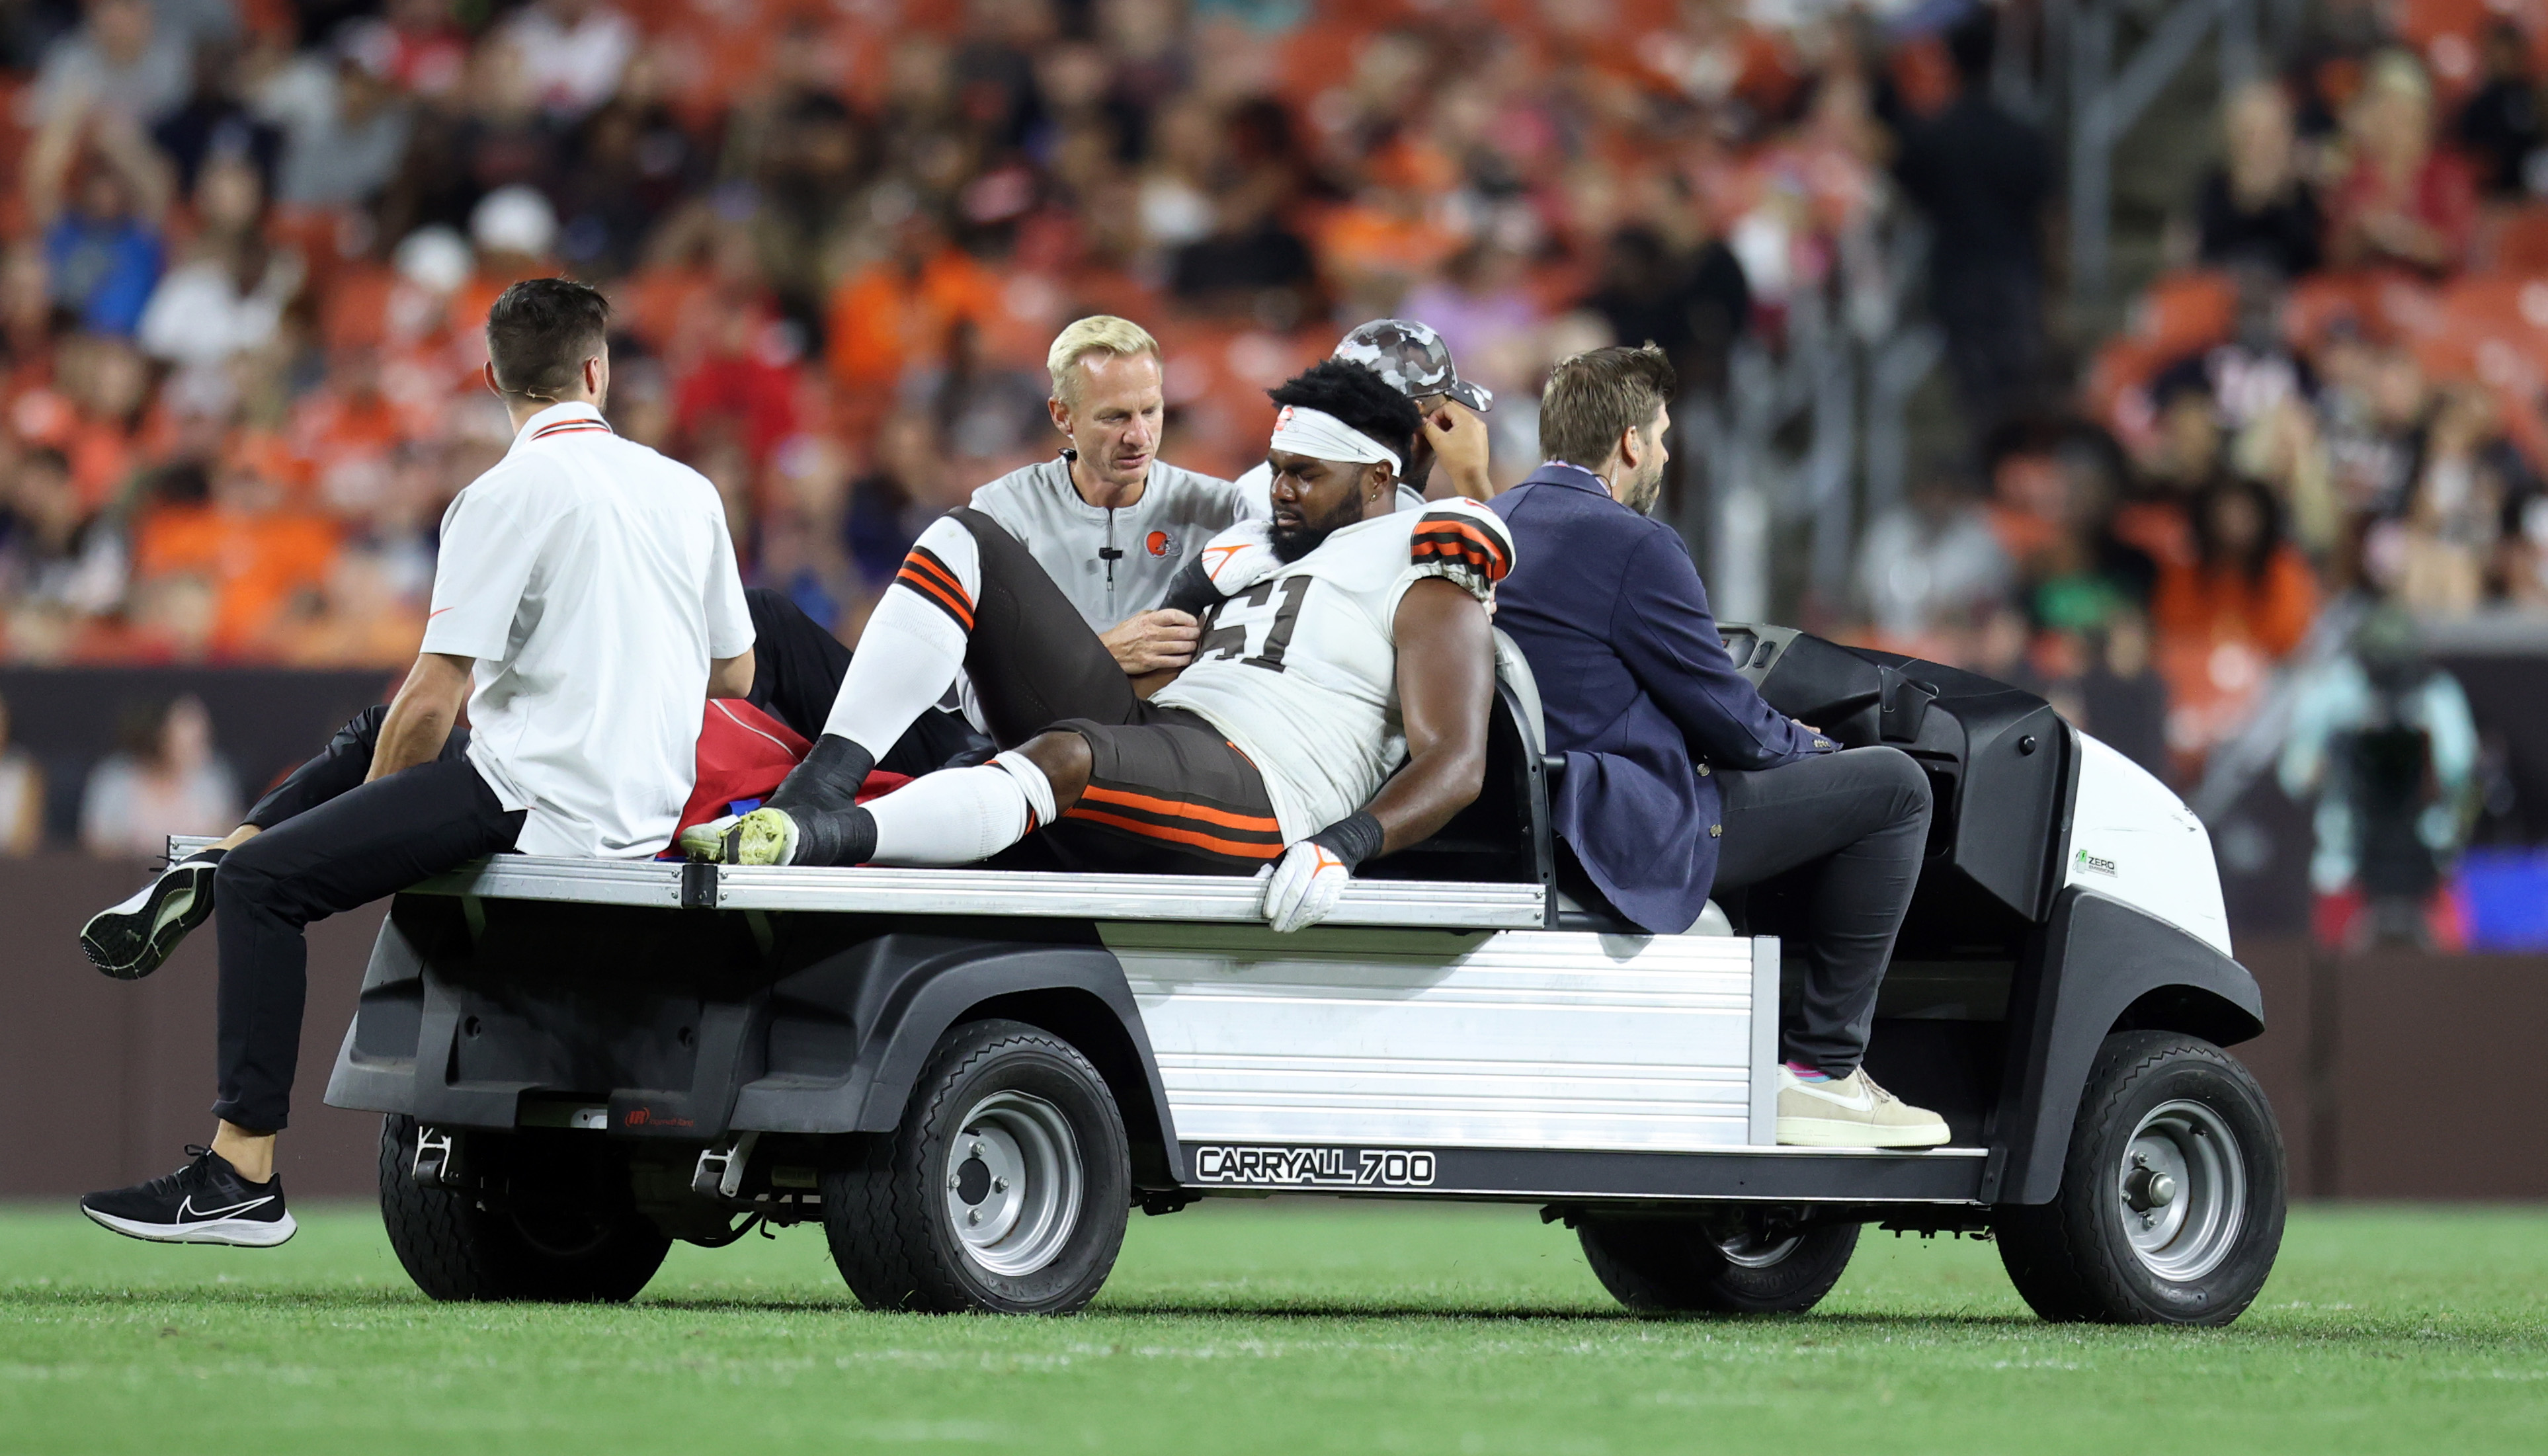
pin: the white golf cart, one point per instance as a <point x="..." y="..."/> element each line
<point x="969" y="1076"/>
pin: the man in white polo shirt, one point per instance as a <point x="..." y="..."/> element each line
<point x="586" y="606"/>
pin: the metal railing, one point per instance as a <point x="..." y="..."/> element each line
<point x="2099" y="68"/>
<point x="1817" y="430"/>
<point x="1798" y="431"/>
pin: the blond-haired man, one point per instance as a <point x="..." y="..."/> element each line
<point x="1106" y="518"/>
<point x="1103" y="520"/>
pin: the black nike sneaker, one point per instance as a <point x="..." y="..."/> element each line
<point x="204" y="1201"/>
<point x="132" y="940"/>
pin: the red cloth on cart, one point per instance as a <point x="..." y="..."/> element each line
<point x="743" y="754"/>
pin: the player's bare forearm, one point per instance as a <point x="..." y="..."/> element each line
<point x="419" y="719"/>
<point x="1474" y="485"/>
<point x="1446" y="688"/>
<point x="1459" y="440"/>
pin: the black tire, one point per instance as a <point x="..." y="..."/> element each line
<point x="2076" y="1258"/>
<point x="1721" y="1265"/>
<point x="889" y="1208"/>
<point x="565" y="1233"/>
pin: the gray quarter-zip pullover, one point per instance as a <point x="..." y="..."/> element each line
<point x="1110" y="563"/>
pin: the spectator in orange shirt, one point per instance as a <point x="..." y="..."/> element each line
<point x="2246" y="583"/>
<point x="257" y="554"/>
<point x="2404" y="200"/>
<point x="345" y="432"/>
<point x="893" y="315"/>
<point x="2240" y="604"/>
<point x="108" y="384"/>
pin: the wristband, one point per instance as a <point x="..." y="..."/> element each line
<point x="1351" y="840"/>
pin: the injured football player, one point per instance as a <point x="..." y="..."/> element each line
<point x="1336" y="707"/>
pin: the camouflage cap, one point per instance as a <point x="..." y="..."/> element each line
<point x="1414" y="359"/>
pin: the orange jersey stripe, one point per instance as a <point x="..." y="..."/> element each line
<point x="1489" y="544"/>
<point x="1195" y="837"/>
<point x="1176" y="810"/>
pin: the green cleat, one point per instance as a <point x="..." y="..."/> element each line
<point x="762" y="837"/>
<point x="707" y="841"/>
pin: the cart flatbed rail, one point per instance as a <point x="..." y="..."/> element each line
<point x="873" y="890"/>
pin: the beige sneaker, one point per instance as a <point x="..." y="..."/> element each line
<point x="1851" y="1111"/>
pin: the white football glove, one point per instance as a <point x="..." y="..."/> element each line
<point x="1305" y="884"/>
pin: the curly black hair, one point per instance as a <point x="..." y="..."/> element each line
<point x="1358" y="396"/>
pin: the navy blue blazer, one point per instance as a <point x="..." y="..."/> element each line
<point x="1639" y="693"/>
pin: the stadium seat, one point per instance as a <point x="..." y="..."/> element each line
<point x="2520" y="241"/>
<point x="2185" y="311"/>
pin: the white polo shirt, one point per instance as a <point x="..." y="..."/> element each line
<point x="592" y="579"/>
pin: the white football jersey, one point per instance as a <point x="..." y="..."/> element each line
<point x="1298" y="667"/>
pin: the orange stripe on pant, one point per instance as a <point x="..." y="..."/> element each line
<point x="1196" y="837"/>
<point x="1175" y="809"/>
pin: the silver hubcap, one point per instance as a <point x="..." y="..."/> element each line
<point x="2183" y="1188"/>
<point x="1751" y="1252"/>
<point x="1014" y="1183"/>
<point x="1752" y="1240"/>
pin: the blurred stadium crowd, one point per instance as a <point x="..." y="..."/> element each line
<point x="248" y="244"/>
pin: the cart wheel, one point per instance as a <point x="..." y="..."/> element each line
<point x="1745" y="1263"/>
<point x="1004" y="1191"/>
<point x="566" y="1231"/>
<point x="2171" y="1202"/>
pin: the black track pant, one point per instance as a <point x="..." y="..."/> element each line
<point x="1850" y="828"/>
<point x="330" y="842"/>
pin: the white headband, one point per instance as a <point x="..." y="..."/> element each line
<point x="1307" y="432"/>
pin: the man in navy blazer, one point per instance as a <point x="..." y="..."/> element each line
<point x="1678" y="777"/>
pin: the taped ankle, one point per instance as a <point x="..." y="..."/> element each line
<point x="1034" y="784"/>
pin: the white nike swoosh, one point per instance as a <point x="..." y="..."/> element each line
<point x="1865" y="1101"/>
<point x="187" y="1210"/>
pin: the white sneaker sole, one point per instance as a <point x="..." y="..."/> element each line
<point x="1842" y="1132"/>
<point x="136" y="938"/>
<point x="235" y="1232"/>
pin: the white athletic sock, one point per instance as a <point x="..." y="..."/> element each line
<point x="914" y="643"/>
<point x="954" y="816"/>
<point x="1031" y="779"/>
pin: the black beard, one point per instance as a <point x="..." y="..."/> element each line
<point x="1291" y="543"/>
<point x="1294" y="542"/>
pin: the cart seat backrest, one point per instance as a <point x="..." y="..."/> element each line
<point x="1499" y="836"/>
<point x="1513" y="671"/>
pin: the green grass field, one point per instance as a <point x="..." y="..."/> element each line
<point x="1266" y="1327"/>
